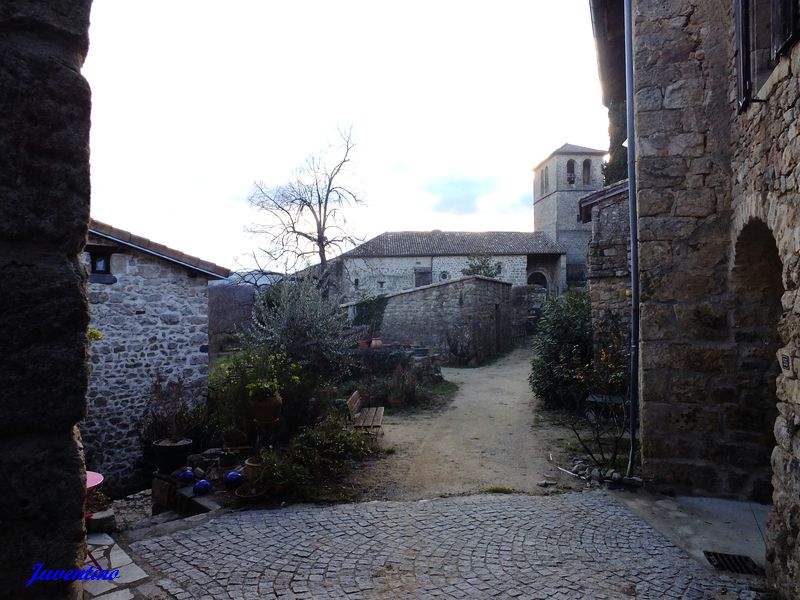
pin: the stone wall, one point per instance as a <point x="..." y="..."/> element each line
<point x="765" y="276"/>
<point x="155" y="317"/>
<point x="44" y="216"/>
<point x="719" y="242"/>
<point x="608" y="260"/>
<point x="397" y="273"/>
<point x="468" y="320"/>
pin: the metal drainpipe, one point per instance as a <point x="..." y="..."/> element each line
<point x="634" y="225"/>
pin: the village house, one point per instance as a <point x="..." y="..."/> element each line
<point x="150" y="303"/>
<point x="402" y="260"/>
<point x="716" y="91"/>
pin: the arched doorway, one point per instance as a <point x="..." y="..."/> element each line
<point x="538" y="278"/>
<point x="757" y="287"/>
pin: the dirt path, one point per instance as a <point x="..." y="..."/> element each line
<point x="485" y="438"/>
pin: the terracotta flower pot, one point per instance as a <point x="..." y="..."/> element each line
<point x="266" y="410"/>
<point x="252" y="468"/>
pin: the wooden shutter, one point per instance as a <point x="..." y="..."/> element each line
<point x="784" y="25"/>
<point x="744" y="82"/>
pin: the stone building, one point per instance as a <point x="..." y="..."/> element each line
<point x="150" y="303"/>
<point x="717" y="149"/>
<point x="608" y="259"/>
<point x="402" y="260"/>
<point x="560" y="180"/>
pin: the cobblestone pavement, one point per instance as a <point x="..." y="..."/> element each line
<point x="578" y="545"/>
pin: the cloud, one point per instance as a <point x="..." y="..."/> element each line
<point x="458" y="195"/>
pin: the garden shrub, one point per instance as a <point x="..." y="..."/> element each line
<point x="292" y="317"/>
<point x="232" y="379"/>
<point x="314" y="457"/>
<point x="563" y="348"/>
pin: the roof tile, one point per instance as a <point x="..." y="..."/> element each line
<point x="456" y="243"/>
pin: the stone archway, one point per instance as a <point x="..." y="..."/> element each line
<point x="757" y="287"/>
<point x="538" y="278"/>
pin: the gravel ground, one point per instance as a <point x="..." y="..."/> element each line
<point x="485" y="438"/>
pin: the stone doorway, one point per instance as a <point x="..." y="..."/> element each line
<point x="757" y="288"/>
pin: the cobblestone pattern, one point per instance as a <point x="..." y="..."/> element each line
<point x="566" y="546"/>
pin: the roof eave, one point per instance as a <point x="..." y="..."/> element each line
<point x="150" y="252"/>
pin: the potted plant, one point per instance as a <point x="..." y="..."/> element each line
<point x="265" y="399"/>
<point x="168" y="421"/>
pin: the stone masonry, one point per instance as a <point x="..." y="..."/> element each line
<point x="467" y="320"/>
<point x="608" y="259"/>
<point x="560" y="181"/>
<point x="397" y="273"/>
<point x="44" y="212"/>
<point x="720" y="250"/>
<point x="154" y="317"/>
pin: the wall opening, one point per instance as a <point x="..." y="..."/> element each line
<point x="537" y="278"/>
<point x="757" y="287"/>
<point x="587" y="171"/>
<point x="570" y="171"/>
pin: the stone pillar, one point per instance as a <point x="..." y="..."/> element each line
<point x="44" y="213"/>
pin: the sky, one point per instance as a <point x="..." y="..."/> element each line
<point x="450" y="105"/>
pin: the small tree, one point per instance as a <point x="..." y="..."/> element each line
<point x="480" y="263"/>
<point x="305" y="216"/>
<point x="294" y="318"/>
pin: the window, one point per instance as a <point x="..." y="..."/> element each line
<point x="355" y="283"/>
<point x="444" y="275"/>
<point x="765" y="29"/>
<point x="587" y="171"/>
<point x="380" y="284"/>
<point x="101" y="262"/>
<point x="100" y="265"/>
<point x="570" y="171"/>
<point x="541" y="182"/>
<point x="422" y="276"/>
<point x="546" y="179"/>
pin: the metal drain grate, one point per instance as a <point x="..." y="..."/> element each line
<point x="735" y="563"/>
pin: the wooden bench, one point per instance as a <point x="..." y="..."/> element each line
<point x="367" y="419"/>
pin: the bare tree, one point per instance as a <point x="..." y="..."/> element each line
<point x="305" y="216"/>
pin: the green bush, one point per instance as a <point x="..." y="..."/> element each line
<point x="293" y="318"/>
<point x="314" y="457"/>
<point x="562" y="350"/>
<point x="231" y="382"/>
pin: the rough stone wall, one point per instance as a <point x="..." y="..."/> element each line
<point x="766" y="217"/>
<point x="397" y="273"/>
<point x="468" y="320"/>
<point x="155" y="317"/>
<point x="683" y="113"/>
<point x="719" y="241"/>
<point x="608" y="260"/>
<point x="44" y="216"/>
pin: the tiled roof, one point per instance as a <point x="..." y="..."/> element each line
<point x="572" y="149"/>
<point x="456" y="243"/>
<point x="126" y="238"/>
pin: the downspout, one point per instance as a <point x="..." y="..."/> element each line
<point x="634" y="226"/>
